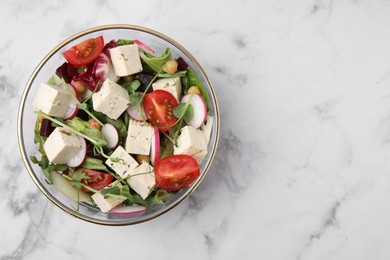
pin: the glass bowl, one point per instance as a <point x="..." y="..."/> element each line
<point x="26" y="121"/>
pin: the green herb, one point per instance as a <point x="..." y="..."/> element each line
<point x="136" y="98"/>
<point x="77" y="177"/>
<point x="93" y="164"/>
<point x="173" y="75"/>
<point x="154" y="62"/>
<point x="47" y="167"/>
<point x="132" y="86"/>
<point x="38" y="138"/>
<point x="124" y="42"/>
<point x="77" y="123"/>
<point x="193" y="80"/>
<point x="185" y="111"/>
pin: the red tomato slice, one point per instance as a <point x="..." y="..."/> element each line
<point x="84" y="52"/>
<point x="97" y="180"/>
<point x="158" y="106"/>
<point x="176" y="172"/>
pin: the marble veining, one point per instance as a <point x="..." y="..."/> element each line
<point x="302" y="168"/>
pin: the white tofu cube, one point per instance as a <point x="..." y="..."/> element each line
<point x="191" y="141"/>
<point x="62" y="145"/>
<point x="207" y="127"/>
<point x="139" y="137"/>
<point x="126" y="163"/>
<point x="52" y="100"/>
<point x="171" y="85"/>
<point x="126" y="60"/>
<point x="106" y="204"/>
<point x="112" y="100"/>
<point x="144" y="183"/>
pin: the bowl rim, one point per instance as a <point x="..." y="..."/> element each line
<point x="22" y="107"/>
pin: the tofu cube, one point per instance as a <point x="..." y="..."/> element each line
<point x="62" y="145"/>
<point x="112" y="100"/>
<point x="171" y="85"/>
<point x="191" y="142"/>
<point x="144" y="183"/>
<point x="139" y="136"/>
<point x="126" y="60"/>
<point x="52" y="100"/>
<point x="126" y="163"/>
<point x="106" y="204"/>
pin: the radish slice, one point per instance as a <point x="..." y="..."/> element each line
<point x="155" y="147"/>
<point x="127" y="210"/>
<point x="200" y="109"/>
<point x="79" y="158"/>
<point x="67" y="189"/>
<point x="72" y="108"/>
<point x="135" y="113"/>
<point x="111" y="134"/>
<point x="144" y="46"/>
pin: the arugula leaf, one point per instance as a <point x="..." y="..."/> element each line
<point x="154" y="62"/>
<point x="135" y="98"/>
<point x="193" y="80"/>
<point x="93" y="164"/>
<point x="124" y="42"/>
<point x="132" y="86"/>
<point x="189" y="114"/>
<point x="184" y="111"/>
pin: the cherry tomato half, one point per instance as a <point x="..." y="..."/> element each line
<point x="97" y="179"/>
<point x="84" y="52"/>
<point x="176" y="172"/>
<point x="158" y="106"/>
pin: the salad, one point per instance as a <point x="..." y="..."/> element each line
<point x="120" y="126"/>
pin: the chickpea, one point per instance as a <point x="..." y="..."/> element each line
<point x="170" y="66"/>
<point x="79" y="86"/>
<point x="94" y="124"/>
<point x="140" y="158"/>
<point x="194" y="89"/>
<point x="129" y="78"/>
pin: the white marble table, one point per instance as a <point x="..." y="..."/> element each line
<point x="303" y="167"/>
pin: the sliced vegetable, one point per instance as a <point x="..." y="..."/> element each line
<point x="155" y="147"/>
<point x="46" y="128"/>
<point x="72" y="110"/>
<point x="128" y="210"/>
<point x="78" y="159"/>
<point x="96" y="179"/>
<point x="158" y="106"/>
<point x="181" y="64"/>
<point x="176" y="172"/>
<point x="84" y="52"/>
<point x="144" y="46"/>
<point x="111" y="135"/>
<point x="200" y="109"/>
<point x="136" y="112"/>
<point x="67" y="189"/>
<point x="104" y="69"/>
